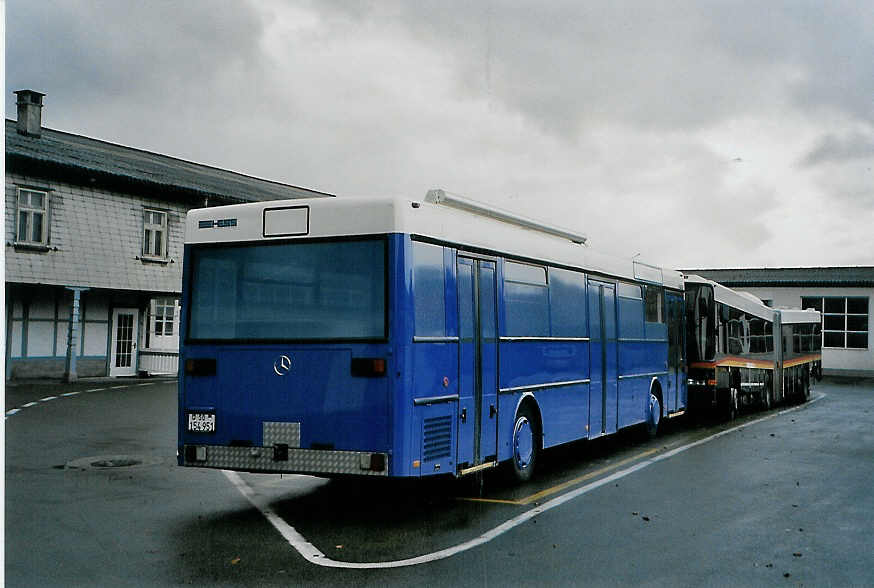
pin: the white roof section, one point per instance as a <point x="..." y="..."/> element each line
<point x="347" y="216"/>
<point x="750" y="296"/>
<point x="740" y="300"/>
<point x="796" y="315"/>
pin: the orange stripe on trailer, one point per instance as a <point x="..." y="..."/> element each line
<point x="745" y="362"/>
<point x="800" y="360"/>
<point x="734" y="362"/>
<point x="703" y="364"/>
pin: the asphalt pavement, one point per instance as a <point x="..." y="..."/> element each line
<point x="94" y="498"/>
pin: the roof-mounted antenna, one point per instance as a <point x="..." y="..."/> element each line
<point x="460" y="202"/>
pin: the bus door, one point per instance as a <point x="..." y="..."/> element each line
<point x="477" y="362"/>
<point x="676" y="373"/>
<point x="603" y="350"/>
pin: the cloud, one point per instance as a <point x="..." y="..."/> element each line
<point x="90" y="55"/>
<point x="624" y="120"/>
<point x="663" y="66"/>
<point x="833" y="148"/>
<point x="113" y="39"/>
<point x="841" y="165"/>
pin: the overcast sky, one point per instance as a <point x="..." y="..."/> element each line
<point x="699" y="134"/>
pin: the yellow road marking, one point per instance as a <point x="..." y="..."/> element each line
<point x="564" y="485"/>
<point x="491" y="500"/>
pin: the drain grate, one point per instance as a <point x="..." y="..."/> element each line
<point x="115" y="463"/>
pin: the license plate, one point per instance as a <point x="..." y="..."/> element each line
<point x="201" y="422"/>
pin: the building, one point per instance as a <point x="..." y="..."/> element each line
<point x="94" y="243"/>
<point x="842" y="294"/>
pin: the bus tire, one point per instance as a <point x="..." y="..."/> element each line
<point x="654" y="415"/>
<point x="526" y="443"/>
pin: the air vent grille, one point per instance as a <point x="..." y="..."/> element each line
<point x="437" y="438"/>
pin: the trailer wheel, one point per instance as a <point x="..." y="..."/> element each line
<point x="797" y="386"/>
<point x="766" y="393"/>
<point x="732" y="404"/>
<point x="526" y="443"/>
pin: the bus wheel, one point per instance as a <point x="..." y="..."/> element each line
<point x="654" y="417"/>
<point x="526" y="444"/>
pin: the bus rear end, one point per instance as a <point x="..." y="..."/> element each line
<point x="701" y="345"/>
<point x="285" y="349"/>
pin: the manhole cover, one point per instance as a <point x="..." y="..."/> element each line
<point x="115" y="463"/>
<point x="102" y="462"/>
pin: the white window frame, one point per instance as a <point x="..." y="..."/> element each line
<point x="158" y="324"/>
<point x="154" y="233"/>
<point x="26" y="208"/>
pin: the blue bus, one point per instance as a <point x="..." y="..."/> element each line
<point x="412" y="338"/>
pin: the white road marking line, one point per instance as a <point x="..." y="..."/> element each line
<point x="29" y="404"/>
<point x="147" y="384"/>
<point x="12" y="412"/>
<point x="304" y="547"/>
<point x="96" y="390"/>
<point x="70" y="393"/>
<point x="47" y="398"/>
<point x="311" y="553"/>
<point x="117" y="387"/>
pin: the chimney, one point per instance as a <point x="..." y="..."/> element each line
<point x="29" y="112"/>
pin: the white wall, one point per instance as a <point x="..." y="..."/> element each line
<point x="43" y="316"/>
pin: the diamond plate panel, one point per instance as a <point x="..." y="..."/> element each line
<point x="302" y="461"/>
<point x="276" y="432"/>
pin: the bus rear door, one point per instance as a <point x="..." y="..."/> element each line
<point x="674" y="400"/>
<point x="603" y="391"/>
<point x="478" y="401"/>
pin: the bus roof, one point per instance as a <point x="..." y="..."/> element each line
<point x="348" y="216"/>
<point x="796" y="315"/>
<point x="740" y="300"/>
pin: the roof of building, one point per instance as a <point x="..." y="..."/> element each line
<point x="840" y="276"/>
<point x="59" y="152"/>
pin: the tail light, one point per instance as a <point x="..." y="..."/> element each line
<point x="368" y="367"/>
<point x="201" y="366"/>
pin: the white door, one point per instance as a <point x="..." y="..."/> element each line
<point x="123" y="353"/>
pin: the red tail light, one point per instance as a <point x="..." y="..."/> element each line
<point x="368" y="367"/>
<point x="200" y="366"/>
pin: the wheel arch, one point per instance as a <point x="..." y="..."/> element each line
<point x="529" y="400"/>
<point x="655" y="387"/>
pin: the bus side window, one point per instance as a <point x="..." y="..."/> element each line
<point x="630" y="300"/>
<point x="654" y="310"/>
<point x="526" y="300"/>
<point x="567" y="303"/>
<point x="428" y="290"/>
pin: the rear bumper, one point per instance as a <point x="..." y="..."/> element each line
<point x="284" y="459"/>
